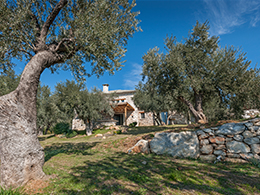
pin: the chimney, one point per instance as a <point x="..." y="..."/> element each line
<point x="105" y="88"/>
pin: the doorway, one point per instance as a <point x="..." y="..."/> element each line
<point x="119" y="118"/>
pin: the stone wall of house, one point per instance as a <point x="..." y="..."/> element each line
<point x="147" y="120"/>
<point x="240" y="141"/>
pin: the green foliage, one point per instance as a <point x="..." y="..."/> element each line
<point x="48" y="114"/>
<point x="133" y="124"/>
<point x="8" y="81"/>
<point x="74" y="100"/>
<point x="61" y="128"/>
<point x="82" y="31"/>
<point x="71" y="134"/>
<point x="118" y="132"/>
<point x="10" y="191"/>
<point x="199" y="75"/>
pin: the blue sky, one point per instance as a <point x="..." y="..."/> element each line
<point x="236" y="22"/>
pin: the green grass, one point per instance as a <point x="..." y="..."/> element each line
<point x="10" y="191"/>
<point x="89" y="165"/>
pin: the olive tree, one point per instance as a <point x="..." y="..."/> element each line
<point x="54" y="34"/>
<point x="198" y="73"/>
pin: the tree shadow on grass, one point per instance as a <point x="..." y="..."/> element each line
<point x="42" y="138"/>
<point x="138" y="174"/>
<point x="68" y="148"/>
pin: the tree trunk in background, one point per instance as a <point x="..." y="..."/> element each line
<point x="22" y="156"/>
<point x="89" y="128"/>
<point x="198" y="114"/>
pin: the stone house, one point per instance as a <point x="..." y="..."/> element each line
<point x="125" y="110"/>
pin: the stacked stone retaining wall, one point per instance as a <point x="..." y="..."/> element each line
<point x="231" y="141"/>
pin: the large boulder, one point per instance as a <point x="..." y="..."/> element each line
<point x="183" y="144"/>
<point x="237" y="147"/>
<point x="142" y="146"/>
<point x="231" y="129"/>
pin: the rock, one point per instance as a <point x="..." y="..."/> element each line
<point x="142" y="146"/>
<point x="144" y="162"/>
<point x="255" y="148"/>
<point x="255" y="120"/>
<point x="248" y="124"/>
<point x="252" y="140"/>
<point x="238" y="138"/>
<point x="229" y="139"/>
<point x="183" y="144"/>
<point x="214" y="128"/>
<point x="220" y="147"/>
<point x="204" y="142"/>
<point x="200" y="132"/>
<point x="246" y="156"/>
<point x="257" y="156"/>
<point x="232" y="155"/>
<point x="237" y="147"/>
<point x="203" y="136"/>
<point x="206" y="149"/>
<point x="230" y="136"/>
<point x="254" y="128"/>
<point x="211" y="134"/>
<point x="207" y="131"/>
<point x="99" y="135"/>
<point x="219" y="153"/>
<point x="217" y="140"/>
<point x="247" y="134"/>
<point x="231" y="129"/>
<point x="210" y="157"/>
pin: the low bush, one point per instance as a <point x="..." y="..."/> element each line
<point x="61" y="128"/>
<point x="133" y="124"/>
<point x="71" y="134"/>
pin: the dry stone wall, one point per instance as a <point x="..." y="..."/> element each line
<point x="230" y="141"/>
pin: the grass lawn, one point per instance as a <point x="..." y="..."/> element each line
<point x="89" y="165"/>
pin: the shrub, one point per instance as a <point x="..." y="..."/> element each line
<point x="71" y="134"/>
<point x="61" y="128"/>
<point x="133" y="124"/>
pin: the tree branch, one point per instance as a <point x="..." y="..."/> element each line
<point x="22" y="50"/>
<point x="61" y="42"/>
<point x="51" y="18"/>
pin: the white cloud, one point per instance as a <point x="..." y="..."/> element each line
<point x="224" y="15"/>
<point x="134" y="76"/>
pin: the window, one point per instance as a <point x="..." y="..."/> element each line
<point x="142" y="115"/>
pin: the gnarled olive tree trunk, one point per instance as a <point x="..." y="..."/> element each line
<point x="197" y="112"/>
<point x="22" y="156"/>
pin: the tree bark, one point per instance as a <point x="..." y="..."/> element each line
<point x="22" y="156"/>
<point x="198" y="114"/>
<point x="89" y="128"/>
